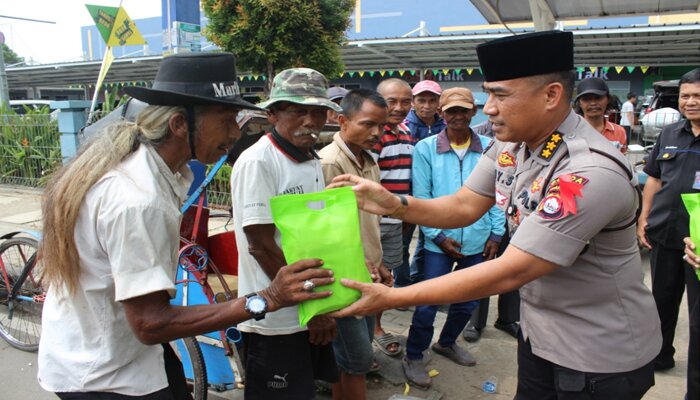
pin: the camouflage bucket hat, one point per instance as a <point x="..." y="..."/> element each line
<point x="301" y="86"/>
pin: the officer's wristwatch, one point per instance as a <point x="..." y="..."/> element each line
<point x="256" y="305"/>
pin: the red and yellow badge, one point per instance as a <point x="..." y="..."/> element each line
<point x="536" y="185"/>
<point x="561" y="196"/>
<point x="506" y="159"/>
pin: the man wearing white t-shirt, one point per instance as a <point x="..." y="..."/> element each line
<point x="627" y="114"/>
<point x="282" y="358"/>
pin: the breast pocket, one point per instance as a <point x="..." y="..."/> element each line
<point x="668" y="162"/>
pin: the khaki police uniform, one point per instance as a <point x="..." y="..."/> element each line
<point x="571" y="205"/>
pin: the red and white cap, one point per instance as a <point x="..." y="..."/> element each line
<point x="427" y="86"/>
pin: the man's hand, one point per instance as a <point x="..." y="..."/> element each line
<point x="321" y="330"/>
<point x="690" y="256"/>
<point x="642" y="233"/>
<point x="287" y="289"/>
<point x="387" y="278"/>
<point x="371" y="196"/>
<point x="451" y="248"/>
<point x="490" y="249"/>
<point x="374" y="299"/>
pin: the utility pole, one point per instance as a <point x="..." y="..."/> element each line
<point x="4" y="90"/>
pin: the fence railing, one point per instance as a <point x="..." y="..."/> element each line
<point x="30" y="149"/>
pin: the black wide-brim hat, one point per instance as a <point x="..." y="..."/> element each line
<point x="192" y="79"/>
<point x="524" y="55"/>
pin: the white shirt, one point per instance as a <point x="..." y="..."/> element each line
<point x="627" y="107"/>
<point x="127" y="233"/>
<point x="262" y="172"/>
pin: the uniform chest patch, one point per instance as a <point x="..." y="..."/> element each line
<point x="506" y="159"/>
<point x="560" y="199"/>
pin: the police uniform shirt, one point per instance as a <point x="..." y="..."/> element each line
<point x="675" y="160"/>
<point x="593" y="313"/>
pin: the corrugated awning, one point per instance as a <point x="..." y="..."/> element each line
<point x="666" y="45"/>
<point x="499" y="11"/>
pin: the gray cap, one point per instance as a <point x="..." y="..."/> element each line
<point x="336" y="92"/>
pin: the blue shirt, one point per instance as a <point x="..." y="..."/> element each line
<point x="419" y="130"/>
<point x="439" y="171"/>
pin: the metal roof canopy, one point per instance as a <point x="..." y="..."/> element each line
<point x="544" y="12"/>
<point x="648" y="45"/>
<point x="76" y="73"/>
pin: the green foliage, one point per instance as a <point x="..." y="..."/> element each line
<point x="219" y="189"/>
<point x="268" y="36"/>
<point x="10" y="56"/>
<point x="29" y="146"/>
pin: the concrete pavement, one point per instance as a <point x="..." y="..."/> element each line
<point x="495" y="352"/>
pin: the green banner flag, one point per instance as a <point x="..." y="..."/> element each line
<point x="104" y="18"/>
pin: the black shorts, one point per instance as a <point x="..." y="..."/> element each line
<point x="285" y="366"/>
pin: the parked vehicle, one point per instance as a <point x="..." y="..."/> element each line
<point x="661" y="111"/>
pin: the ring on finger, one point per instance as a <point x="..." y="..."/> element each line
<point x="308" y="286"/>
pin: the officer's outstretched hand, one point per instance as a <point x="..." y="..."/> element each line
<point x="375" y="298"/>
<point x="287" y="289"/>
<point x="371" y="196"/>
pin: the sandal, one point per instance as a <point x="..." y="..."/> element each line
<point x="384" y="341"/>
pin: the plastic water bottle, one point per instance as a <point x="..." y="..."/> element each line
<point x="490" y="385"/>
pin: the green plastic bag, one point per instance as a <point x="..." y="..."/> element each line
<point x="692" y="204"/>
<point x="323" y="225"/>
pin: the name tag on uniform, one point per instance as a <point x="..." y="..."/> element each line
<point x="696" y="183"/>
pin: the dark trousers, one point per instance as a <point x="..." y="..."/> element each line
<point x="421" y="332"/>
<point x="508" y="310"/>
<point x="417" y="269"/>
<point x="402" y="274"/>
<point x="669" y="275"/>
<point x="628" y="133"/>
<point x="694" y="341"/>
<point x="508" y="303"/>
<point x="176" y="390"/>
<point x="539" y="379"/>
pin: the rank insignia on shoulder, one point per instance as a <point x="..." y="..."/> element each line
<point x="506" y="159"/>
<point x="666" y="155"/>
<point x="551" y="145"/>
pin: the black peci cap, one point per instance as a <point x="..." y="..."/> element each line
<point x="526" y="55"/>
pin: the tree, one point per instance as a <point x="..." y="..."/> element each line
<point x="271" y="35"/>
<point x="10" y="56"/>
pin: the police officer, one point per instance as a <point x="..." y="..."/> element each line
<point x="587" y="321"/>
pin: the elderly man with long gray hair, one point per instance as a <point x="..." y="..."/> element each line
<point x="111" y="235"/>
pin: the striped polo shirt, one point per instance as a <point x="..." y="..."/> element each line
<point x="394" y="154"/>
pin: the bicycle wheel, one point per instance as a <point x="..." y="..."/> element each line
<point x="193" y="363"/>
<point x="20" y="320"/>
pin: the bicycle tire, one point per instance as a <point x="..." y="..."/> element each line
<point x="199" y="384"/>
<point x="23" y="331"/>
